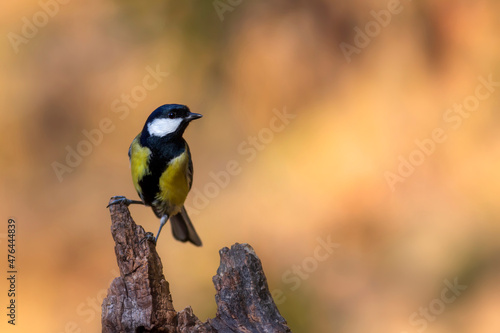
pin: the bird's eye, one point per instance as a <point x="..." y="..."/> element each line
<point x="171" y="115"/>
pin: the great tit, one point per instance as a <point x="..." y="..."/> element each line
<point x="162" y="169"/>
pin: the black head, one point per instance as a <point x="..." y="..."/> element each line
<point x="169" y="120"/>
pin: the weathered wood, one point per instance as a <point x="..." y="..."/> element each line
<point x="139" y="299"/>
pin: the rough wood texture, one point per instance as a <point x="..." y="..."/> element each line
<point x="139" y="299"/>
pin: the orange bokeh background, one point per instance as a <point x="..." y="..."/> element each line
<point x="322" y="174"/>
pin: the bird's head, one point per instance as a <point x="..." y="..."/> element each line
<point x="169" y="119"/>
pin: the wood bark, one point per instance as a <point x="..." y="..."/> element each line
<point x="139" y="300"/>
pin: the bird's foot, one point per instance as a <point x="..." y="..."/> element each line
<point x="149" y="236"/>
<point x="123" y="199"/>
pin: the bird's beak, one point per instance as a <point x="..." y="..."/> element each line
<point x="193" y="116"/>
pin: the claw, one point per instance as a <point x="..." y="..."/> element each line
<point x="114" y="202"/>
<point x="124" y="200"/>
<point x="149" y="236"/>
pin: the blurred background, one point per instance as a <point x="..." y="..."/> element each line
<point x="329" y="111"/>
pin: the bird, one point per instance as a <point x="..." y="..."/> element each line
<point x="162" y="169"/>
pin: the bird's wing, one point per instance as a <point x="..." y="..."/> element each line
<point x="139" y="163"/>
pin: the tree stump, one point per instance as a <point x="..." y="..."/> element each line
<point x="139" y="299"/>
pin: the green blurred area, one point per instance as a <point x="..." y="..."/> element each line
<point x="319" y="174"/>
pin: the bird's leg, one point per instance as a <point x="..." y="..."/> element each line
<point x="163" y="221"/>
<point x="122" y="199"/>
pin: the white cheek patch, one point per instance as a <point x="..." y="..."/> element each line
<point x="164" y="126"/>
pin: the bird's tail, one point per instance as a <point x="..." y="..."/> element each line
<point x="183" y="229"/>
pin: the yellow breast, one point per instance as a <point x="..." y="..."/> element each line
<point x="174" y="186"/>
